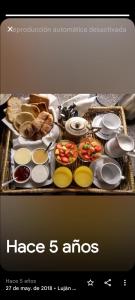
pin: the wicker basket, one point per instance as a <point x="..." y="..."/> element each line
<point x="126" y="186"/>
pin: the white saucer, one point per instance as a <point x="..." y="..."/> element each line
<point x="95" y="164"/>
<point x="97" y="123"/>
<point x="104" y="186"/>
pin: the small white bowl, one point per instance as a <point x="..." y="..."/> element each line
<point x="16" y="174"/>
<point x="39" y="174"/>
<point x="38" y="162"/>
<point x="22" y="156"/>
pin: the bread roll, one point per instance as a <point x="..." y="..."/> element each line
<point x="35" y="98"/>
<point x="42" y="106"/>
<point x="14" y="102"/>
<point x="26" y="130"/>
<point x="12" y="113"/>
<point x="43" y="115"/>
<point x="21" y="118"/>
<point x="49" y="120"/>
<point x="13" y="108"/>
<point x="33" y="109"/>
<point x="36" y="124"/>
<point x="45" y="129"/>
<point x="37" y="136"/>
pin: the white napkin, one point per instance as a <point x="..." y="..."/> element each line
<point x="52" y="136"/>
<point x="76" y="99"/>
<point x="83" y="103"/>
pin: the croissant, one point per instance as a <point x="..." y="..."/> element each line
<point x="49" y="120"/>
<point x="46" y="129"/>
<point x="36" y="124"/>
<point x="26" y="130"/>
<point x="41" y="106"/>
<point x="37" y="136"/>
<point x="43" y="115"/>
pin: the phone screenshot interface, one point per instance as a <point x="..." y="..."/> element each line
<point x="67" y="153"/>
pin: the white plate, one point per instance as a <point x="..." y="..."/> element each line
<point x="95" y="164"/>
<point x="97" y="123"/>
<point x="104" y="186"/>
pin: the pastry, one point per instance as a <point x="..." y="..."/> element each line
<point x="33" y="109"/>
<point x="45" y="129"/>
<point x="14" y="102"/>
<point x="43" y="115"/>
<point x="34" y="98"/>
<point x="49" y="120"/>
<point x="42" y="106"/>
<point x="36" y="124"/>
<point x="14" y="107"/>
<point x="32" y="121"/>
<point x="26" y="130"/>
<point x="11" y="113"/>
<point x="21" y="118"/>
<point x="37" y="136"/>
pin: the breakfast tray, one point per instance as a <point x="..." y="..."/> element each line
<point x="126" y="186"/>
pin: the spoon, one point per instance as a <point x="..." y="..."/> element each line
<point x="7" y="182"/>
<point x="59" y="125"/>
<point x="131" y="154"/>
<point x="48" y="146"/>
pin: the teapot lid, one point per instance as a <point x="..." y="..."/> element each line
<point x="76" y="126"/>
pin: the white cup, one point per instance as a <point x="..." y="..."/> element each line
<point x="120" y="145"/>
<point x="110" y="123"/>
<point x="109" y="173"/>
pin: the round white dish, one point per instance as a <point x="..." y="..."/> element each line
<point x="22" y="156"/>
<point x="39" y="174"/>
<point x="104" y="186"/>
<point x="95" y="164"/>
